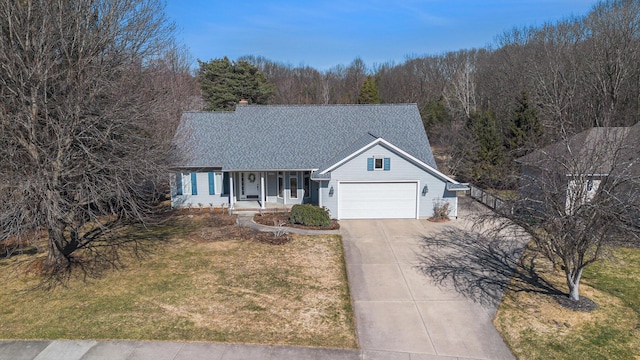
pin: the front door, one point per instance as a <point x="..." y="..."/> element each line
<point x="249" y="185"/>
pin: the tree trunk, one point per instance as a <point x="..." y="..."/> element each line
<point x="56" y="258"/>
<point x="573" y="281"/>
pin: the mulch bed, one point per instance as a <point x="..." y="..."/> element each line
<point x="270" y="219"/>
<point x="437" y="220"/>
<point x="220" y="226"/>
<point x="584" y="304"/>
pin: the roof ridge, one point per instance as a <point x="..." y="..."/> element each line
<point x="324" y="105"/>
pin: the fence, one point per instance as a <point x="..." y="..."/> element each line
<point x="486" y="198"/>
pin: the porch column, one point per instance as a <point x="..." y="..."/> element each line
<point x="231" y="195"/>
<point x="262" y="198"/>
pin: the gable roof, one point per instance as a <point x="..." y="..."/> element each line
<point x="300" y="137"/>
<point x="360" y="146"/>
<point x="593" y="151"/>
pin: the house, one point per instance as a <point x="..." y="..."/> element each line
<point x="358" y="161"/>
<point x="576" y="168"/>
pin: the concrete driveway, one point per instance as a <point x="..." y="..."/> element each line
<point x="400" y="313"/>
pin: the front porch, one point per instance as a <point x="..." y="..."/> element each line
<point x="269" y="190"/>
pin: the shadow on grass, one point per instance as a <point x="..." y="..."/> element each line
<point x="114" y="246"/>
<point x="479" y="267"/>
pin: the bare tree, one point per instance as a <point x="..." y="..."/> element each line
<point x="79" y="119"/>
<point x="460" y="94"/>
<point x="610" y="69"/>
<point x="576" y="197"/>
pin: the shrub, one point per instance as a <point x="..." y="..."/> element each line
<point x="441" y="210"/>
<point x="309" y="215"/>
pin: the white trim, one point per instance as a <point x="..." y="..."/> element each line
<point x="263" y="198"/>
<point x="394" y="148"/>
<point x="231" y="195"/>
<point x="338" y="183"/>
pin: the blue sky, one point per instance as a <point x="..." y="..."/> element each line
<point x="324" y="33"/>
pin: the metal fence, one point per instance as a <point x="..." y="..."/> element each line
<point x="486" y="198"/>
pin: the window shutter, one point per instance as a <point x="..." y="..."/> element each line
<point x="370" y="164"/>
<point x="179" y="184"/>
<point x="387" y="164"/>
<point x="225" y="183"/>
<point x="194" y="183"/>
<point x="212" y="188"/>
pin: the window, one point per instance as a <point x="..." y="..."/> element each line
<point x="280" y="184"/>
<point x="293" y="185"/>
<point x="306" y="185"/>
<point x="379" y="163"/>
<point x="194" y="183"/>
<point x="212" y="186"/>
<point x="179" y="184"/>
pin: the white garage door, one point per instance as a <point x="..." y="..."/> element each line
<point x="377" y="200"/>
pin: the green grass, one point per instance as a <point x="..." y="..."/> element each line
<point x="190" y="288"/>
<point x="536" y="327"/>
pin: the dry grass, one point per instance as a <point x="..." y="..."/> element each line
<point x="536" y="327"/>
<point x="206" y="282"/>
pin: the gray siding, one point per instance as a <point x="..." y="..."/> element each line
<point x="400" y="169"/>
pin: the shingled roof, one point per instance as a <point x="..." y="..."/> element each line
<point x="295" y="137"/>
<point x="594" y="151"/>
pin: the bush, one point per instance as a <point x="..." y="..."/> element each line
<point x="441" y="210"/>
<point x="309" y="215"/>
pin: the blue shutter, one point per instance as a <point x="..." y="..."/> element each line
<point x="370" y="164"/>
<point x="194" y="183"/>
<point x="225" y="183"/>
<point x="179" y="184"/>
<point x="212" y="188"/>
<point x="387" y="164"/>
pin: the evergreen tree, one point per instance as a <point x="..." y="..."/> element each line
<point x="435" y="113"/>
<point x="524" y="127"/>
<point x="369" y="93"/>
<point x="485" y="156"/>
<point x="224" y="83"/>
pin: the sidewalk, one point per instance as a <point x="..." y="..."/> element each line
<point x="152" y="350"/>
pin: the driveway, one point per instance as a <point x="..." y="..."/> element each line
<point x="400" y="312"/>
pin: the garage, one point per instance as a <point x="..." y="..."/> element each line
<point x="377" y="200"/>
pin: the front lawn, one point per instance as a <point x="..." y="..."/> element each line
<point x="536" y="327"/>
<point x="202" y="283"/>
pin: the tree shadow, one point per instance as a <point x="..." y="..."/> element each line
<point x="480" y="267"/>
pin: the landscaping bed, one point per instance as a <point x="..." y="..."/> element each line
<point x="282" y="217"/>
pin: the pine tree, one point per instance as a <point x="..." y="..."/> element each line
<point x="485" y="162"/>
<point x="369" y="93"/>
<point x="524" y="127"/>
<point x="224" y="83"/>
<point x="435" y="113"/>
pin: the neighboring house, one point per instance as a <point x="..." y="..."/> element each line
<point x="576" y="167"/>
<point x="358" y="161"/>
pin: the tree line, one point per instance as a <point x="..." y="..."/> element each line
<point x="485" y="107"/>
